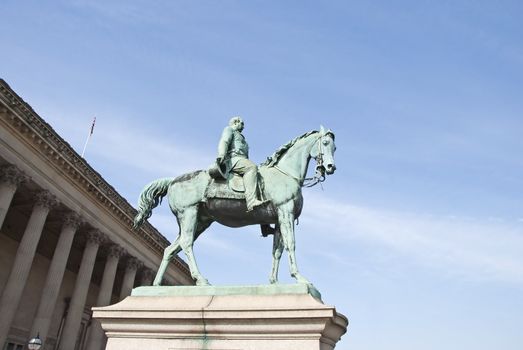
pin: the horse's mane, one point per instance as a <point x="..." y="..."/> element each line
<point x="276" y="156"/>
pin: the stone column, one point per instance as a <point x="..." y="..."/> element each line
<point x="55" y="275"/>
<point x="147" y="277"/>
<point x="97" y="337"/>
<point x="10" y="178"/>
<point x="81" y="287"/>
<point x="128" y="279"/>
<point x="23" y="261"/>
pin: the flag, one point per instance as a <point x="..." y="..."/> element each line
<point x="89" y="136"/>
<point x="92" y="126"/>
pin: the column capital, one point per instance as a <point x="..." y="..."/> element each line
<point x="116" y="251"/>
<point x="72" y="220"/>
<point x="46" y="199"/>
<point x="11" y="175"/>
<point x="133" y="263"/>
<point x="147" y="276"/>
<point x="147" y="272"/>
<point x="95" y="236"/>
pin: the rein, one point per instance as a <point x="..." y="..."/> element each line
<point x="289" y="175"/>
<point x="318" y="177"/>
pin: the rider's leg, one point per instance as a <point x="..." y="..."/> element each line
<point x="249" y="171"/>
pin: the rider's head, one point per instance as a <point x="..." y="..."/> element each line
<point x="236" y="123"/>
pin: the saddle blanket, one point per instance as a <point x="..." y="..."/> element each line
<point x="220" y="189"/>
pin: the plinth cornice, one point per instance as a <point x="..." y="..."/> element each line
<point x="222" y="321"/>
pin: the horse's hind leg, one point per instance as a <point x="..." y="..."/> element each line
<point x="168" y="255"/>
<point x="188" y="226"/>
<point x="277" y="249"/>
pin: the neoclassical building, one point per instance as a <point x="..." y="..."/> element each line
<point x="66" y="238"/>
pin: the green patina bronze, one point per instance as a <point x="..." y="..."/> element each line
<point x="202" y="197"/>
<point x="233" y="158"/>
<point x="268" y="289"/>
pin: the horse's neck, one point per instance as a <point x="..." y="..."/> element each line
<point x="296" y="161"/>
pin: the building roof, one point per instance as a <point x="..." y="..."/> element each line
<point x="51" y="146"/>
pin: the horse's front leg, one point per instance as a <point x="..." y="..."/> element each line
<point x="286" y="220"/>
<point x="277" y="249"/>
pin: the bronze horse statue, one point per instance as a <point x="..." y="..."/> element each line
<point x="193" y="200"/>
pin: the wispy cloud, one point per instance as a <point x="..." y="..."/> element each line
<point x="476" y="249"/>
<point x="136" y="148"/>
<point x="472" y="248"/>
<point x="123" y="11"/>
<point x="154" y="156"/>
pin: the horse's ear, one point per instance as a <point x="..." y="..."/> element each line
<point x="322" y="130"/>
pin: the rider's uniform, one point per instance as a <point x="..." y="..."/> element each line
<point x="234" y="150"/>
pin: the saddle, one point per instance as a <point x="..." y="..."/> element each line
<point x="231" y="188"/>
<point x="228" y="186"/>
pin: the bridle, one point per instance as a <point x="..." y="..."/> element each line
<point x="319" y="174"/>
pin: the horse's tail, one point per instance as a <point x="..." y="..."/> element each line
<point x="149" y="199"/>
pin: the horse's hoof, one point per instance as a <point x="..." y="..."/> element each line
<point x="301" y="280"/>
<point x="202" y="282"/>
<point x="272" y="281"/>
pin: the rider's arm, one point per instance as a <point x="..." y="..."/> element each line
<point x="225" y="141"/>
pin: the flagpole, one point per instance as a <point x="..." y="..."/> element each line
<point x="89" y="136"/>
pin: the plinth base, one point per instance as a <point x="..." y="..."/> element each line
<point x="275" y="317"/>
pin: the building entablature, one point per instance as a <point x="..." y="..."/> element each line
<point x="51" y="160"/>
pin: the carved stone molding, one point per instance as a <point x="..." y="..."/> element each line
<point x="11" y="175"/>
<point x="147" y="274"/>
<point x="95" y="237"/>
<point x="133" y="263"/>
<point x="116" y="251"/>
<point x="72" y="220"/>
<point x="46" y="199"/>
<point x="19" y="118"/>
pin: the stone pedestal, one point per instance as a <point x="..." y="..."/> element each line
<point x="275" y="317"/>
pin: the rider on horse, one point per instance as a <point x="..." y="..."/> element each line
<point x="233" y="153"/>
<point x="284" y="175"/>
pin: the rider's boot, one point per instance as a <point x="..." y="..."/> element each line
<point x="255" y="203"/>
<point x="250" y="182"/>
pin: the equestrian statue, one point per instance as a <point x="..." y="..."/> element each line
<point x="235" y="192"/>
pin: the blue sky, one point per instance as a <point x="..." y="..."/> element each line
<point x="417" y="238"/>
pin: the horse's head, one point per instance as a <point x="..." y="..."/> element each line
<point x="323" y="151"/>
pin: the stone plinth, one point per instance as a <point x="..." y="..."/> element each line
<point x="275" y="317"/>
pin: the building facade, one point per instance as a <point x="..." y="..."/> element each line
<point x="66" y="238"/>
